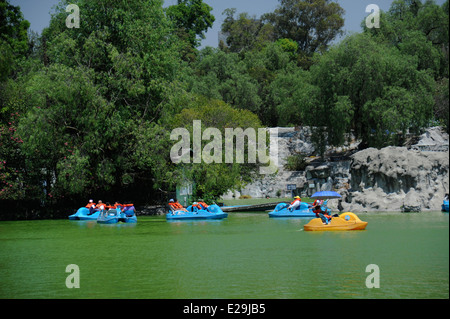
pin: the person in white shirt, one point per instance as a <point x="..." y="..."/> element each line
<point x="295" y="204"/>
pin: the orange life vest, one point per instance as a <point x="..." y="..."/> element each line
<point x="203" y="204"/>
<point x="99" y="205"/>
<point x="295" y="201"/>
<point x="89" y="205"/>
<point x="172" y="205"/>
<point x="176" y="205"/>
<point x="319" y="211"/>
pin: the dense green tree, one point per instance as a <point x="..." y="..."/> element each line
<point x="129" y="44"/>
<point x="192" y="17"/>
<point x="313" y="24"/>
<point x="441" y="109"/>
<point x="294" y="97"/>
<point x="373" y="89"/>
<point x="213" y="179"/>
<point x="103" y="82"/>
<point x="13" y="28"/>
<point x="222" y="75"/>
<point x="243" y="80"/>
<point x="245" y="33"/>
<point x="68" y="131"/>
<point x="264" y="66"/>
<point x="417" y="29"/>
<point x="16" y="183"/>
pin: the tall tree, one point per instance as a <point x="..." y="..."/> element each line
<point x="192" y="17"/>
<point x="13" y="27"/>
<point x="313" y="24"/>
<point x="246" y="32"/>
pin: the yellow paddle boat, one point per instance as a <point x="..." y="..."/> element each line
<point x="345" y="221"/>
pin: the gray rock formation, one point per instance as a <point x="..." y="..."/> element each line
<point x="390" y="179"/>
<point x="394" y="179"/>
<point x="434" y="139"/>
<point x="317" y="177"/>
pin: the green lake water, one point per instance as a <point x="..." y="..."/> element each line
<point x="244" y="256"/>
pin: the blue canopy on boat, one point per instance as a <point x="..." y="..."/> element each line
<point x="326" y="195"/>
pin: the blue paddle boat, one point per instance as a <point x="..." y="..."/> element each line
<point x="113" y="216"/>
<point x="212" y="212"/>
<point x="110" y="216"/>
<point x="128" y="215"/>
<point x="83" y="214"/>
<point x="304" y="210"/>
<point x="445" y="206"/>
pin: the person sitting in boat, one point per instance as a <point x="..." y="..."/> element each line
<point x="117" y="205"/>
<point x="100" y="206"/>
<point x="175" y="206"/>
<point x="91" y="202"/>
<point x="196" y="207"/>
<point x="321" y="214"/>
<point x="317" y="202"/>
<point x="128" y="209"/>
<point x="295" y="204"/>
<point x="203" y="204"/>
<point x="91" y="206"/>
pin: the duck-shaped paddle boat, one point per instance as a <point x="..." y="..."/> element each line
<point x="303" y="210"/>
<point x="83" y="214"/>
<point x="345" y="221"/>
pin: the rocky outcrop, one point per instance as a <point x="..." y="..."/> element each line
<point x="412" y="178"/>
<point x="435" y="139"/>
<point x="316" y="177"/>
<point x="395" y="178"/>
